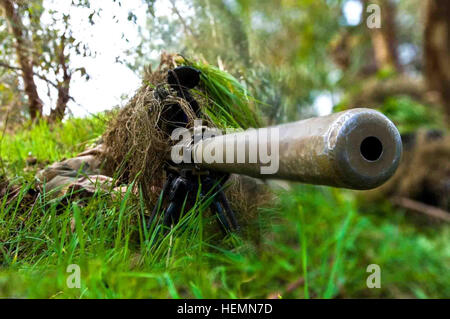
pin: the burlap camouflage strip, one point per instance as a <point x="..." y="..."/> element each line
<point x="81" y="176"/>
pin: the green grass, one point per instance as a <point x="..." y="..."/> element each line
<point x="229" y="103"/>
<point x="316" y="237"/>
<point x="48" y="144"/>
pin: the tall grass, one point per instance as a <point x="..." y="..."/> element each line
<point x="314" y="243"/>
<point x="49" y="143"/>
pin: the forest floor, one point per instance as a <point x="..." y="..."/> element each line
<point x="317" y="242"/>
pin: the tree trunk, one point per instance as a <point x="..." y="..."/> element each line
<point x="437" y="50"/>
<point x="384" y="39"/>
<point x="24" y="58"/>
<point x="57" y="114"/>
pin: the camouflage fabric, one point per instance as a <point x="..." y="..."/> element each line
<point x="80" y="176"/>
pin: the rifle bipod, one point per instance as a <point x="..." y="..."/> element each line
<point x="182" y="185"/>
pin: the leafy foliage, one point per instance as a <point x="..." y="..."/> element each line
<point x="409" y="115"/>
<point x="258" y="42"/>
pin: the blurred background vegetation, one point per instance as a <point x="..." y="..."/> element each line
<point x="299" y="59"/>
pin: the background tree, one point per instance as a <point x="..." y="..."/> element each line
<point x="22" y="45"/>
<point x="42" y="52"/>
<point x="437" y="50"/>
<point x="277" y="48"/>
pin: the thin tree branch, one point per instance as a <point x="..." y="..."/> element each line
<point x="40" y="76"/>
<point x="186" y="27"/>
<point x="15" y="68"/>
<point x="421" y="208"/>
<point x="7" y="66"/>
<point x="43" y="78"/>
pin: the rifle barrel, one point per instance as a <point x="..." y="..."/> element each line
<point x="356" y="149"/>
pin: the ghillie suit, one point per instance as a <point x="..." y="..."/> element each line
<point x="77" y="177"/>
<point x="138" y="141"/>
<point x="136" y="145"/>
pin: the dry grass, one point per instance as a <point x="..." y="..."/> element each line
<point x="136" y="142"/>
